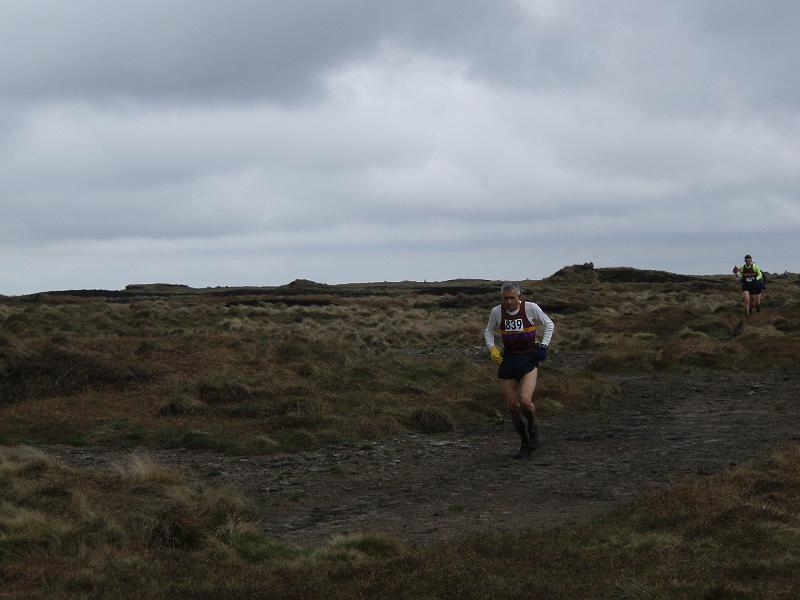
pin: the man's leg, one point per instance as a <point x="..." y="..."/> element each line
<point x="511" y="389"/>
<point x="511" y="397"/>
<point x="746" y="298"/>
<point x="527" y="386"/>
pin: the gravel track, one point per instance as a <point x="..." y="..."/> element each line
<point x="424" y="489"/>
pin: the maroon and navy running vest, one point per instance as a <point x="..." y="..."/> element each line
<point x="519" y="334"/>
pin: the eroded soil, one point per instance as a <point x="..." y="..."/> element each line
<point x="424" y="489"/>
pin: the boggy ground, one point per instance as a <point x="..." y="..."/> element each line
<point x="424" y="489"/>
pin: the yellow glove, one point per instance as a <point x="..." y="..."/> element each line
<point x="496" y="355"/>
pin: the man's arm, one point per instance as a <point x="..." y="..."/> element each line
<point x="536" y="314"/>
<point x="492" y="326"/>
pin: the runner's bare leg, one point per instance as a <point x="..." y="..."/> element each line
<point x="511" y="391"/>
<point x="527" y="407"/>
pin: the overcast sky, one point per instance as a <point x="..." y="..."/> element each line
<point x="253" y="142"/>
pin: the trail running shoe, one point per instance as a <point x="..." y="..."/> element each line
<point x="524" y="451"/>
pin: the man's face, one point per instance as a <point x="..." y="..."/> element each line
<point x="510" y="300"/>
<point x="748" y="261"/>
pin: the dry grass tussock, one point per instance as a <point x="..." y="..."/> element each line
<point x="141" y="468"/>
<point x="24" y="459"/>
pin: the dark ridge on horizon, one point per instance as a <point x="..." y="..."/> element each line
<point x="583" y="272"/>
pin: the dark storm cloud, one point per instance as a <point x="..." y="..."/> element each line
<point x="197" y="50"/>
<point x="191" y="50"/>
<point x="184" y="49"/>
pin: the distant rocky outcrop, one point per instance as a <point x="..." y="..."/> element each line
<point x="584" y="273"/>
<point x="156" y="287"/>
<point x="305" y="285"/>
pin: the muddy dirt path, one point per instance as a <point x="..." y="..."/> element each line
<point x="424" y="489"/>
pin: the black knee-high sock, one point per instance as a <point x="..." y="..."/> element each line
<point x="533" y="430"/>
<point x="527" y="415"/>
<point x="520" y="425"/>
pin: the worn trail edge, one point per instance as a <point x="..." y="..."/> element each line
<point x="424" y="489"/>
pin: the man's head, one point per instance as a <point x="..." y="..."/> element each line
<point x="748" y="260"/>
<point x="510" y="294"/>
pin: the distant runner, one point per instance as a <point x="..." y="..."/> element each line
<point x="519" y="323"/>
<point x="752" y="278"/>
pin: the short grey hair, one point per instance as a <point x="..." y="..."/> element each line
<point x="510" y="286"/>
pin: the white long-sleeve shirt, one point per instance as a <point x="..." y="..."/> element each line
<point x="534" y="314"/>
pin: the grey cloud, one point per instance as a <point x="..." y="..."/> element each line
<point x="686" y="59"/>
<point x="150" y="138"/>
<point x="678" y="56"/>
<point x="189" y="50"/>
<point x="184" y="50"/>
<point x="757" y="43"/>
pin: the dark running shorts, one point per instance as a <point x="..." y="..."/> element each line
<point x="754" y="286"/>
<point x="516" y="366"/>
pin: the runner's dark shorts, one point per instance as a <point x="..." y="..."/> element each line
<point x="516" y="366"/>
<point x="754" y="286"/>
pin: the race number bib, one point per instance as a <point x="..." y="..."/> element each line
<point x="514" y="325"/>
<point x="749" y="279"/>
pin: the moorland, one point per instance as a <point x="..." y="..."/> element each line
<point x="348" y="441"/>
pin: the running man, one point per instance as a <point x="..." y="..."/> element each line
<point x="519" y="323"/>
<point x="751" y="277"/>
